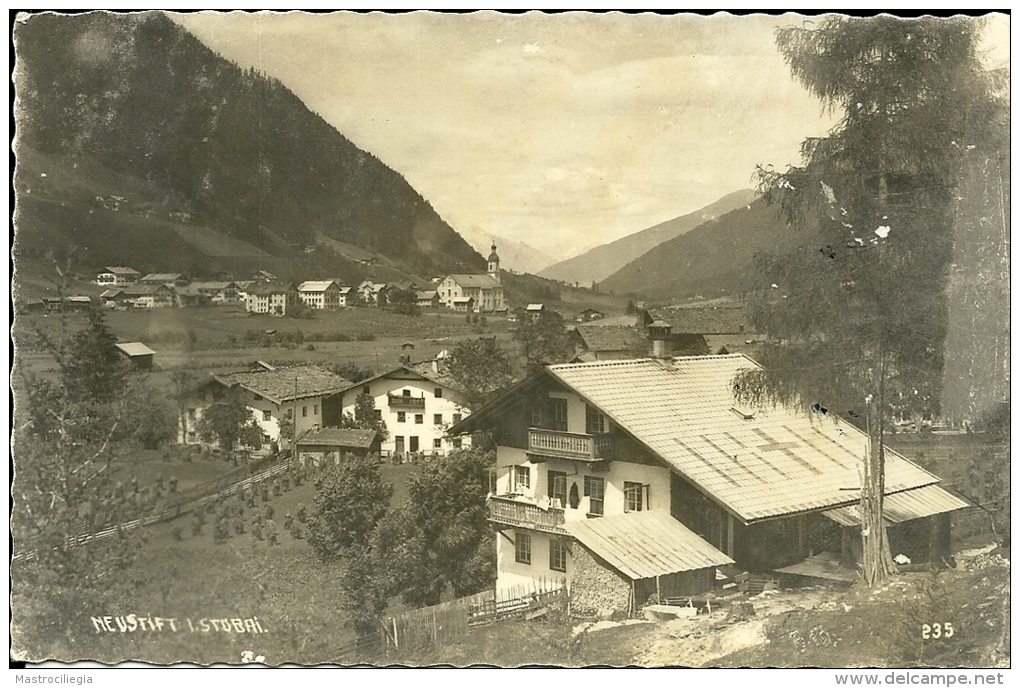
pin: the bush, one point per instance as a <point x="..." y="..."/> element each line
<point x="366" y="337"/>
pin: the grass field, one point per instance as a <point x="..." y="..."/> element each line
<point x="181" y="576"/>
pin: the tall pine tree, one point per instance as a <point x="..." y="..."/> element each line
<point x="857" y="323"/>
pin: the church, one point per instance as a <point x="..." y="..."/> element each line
<point x="474" y="293"/>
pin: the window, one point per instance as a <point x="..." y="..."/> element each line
<point x="267" y="415"/>
<point x="558" y="555"/>
<point x="559" y="415"/>
<point x="522" y="477"/>
<point x="304" y="411"/>
<point x="633" y="496"/>
<point x="419" y="418"/>
<point x="536" y="416"/>
<point x="456" y="418"/>
<point x="401" y="416"/>
<point x="407" y="393"/>
<point x="437" y="419"/>
<point x="258" y="397"/>
<point x="367" y="389"/>
<point x="595" y="490"/>
<point x="413" y="445"/>
<point x="438" y="393"/>
<point x="377" y="414"/>
<point x="594" y="421"/>
<point x="457" y="443"/>
<point x="522" y="548"/>
<point x="558" y="486"/>
<point x="315" y="410"/>
<point x="437" y="443"/>
<point x="493" y="481"/>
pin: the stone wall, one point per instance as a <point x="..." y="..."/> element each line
<point x="596" y="590"/>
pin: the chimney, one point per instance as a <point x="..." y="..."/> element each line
<point x="659" y="335"/>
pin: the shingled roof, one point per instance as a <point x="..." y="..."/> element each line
<point x="707" y="320"/>
<point x="338" y="437"/>
<point x="286" y="384"/>
<point x="610" y="338"/>
<point x="756" y="463"/>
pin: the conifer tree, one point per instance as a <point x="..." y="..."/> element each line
<point x="856" y="322"/>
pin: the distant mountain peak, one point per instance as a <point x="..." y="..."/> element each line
<point x="602" y="261"/>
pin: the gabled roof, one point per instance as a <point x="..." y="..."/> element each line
<point x="613" y="338"/>
<point x="338" y="437"/>
<point x="285" y="384"/>
<point x="120" y="270"/>
<point x="475" y="281"/>
<point x="212" y="286"/>
<point x="423" y="370"/>
<point x="775" y="462"/>
<point x="111" y="293"/>
<point x="646" y="544"/>
<point x="431" y="294"/>
<point x="135" y="349"/>
<point x="161" y="277"/>
<point x="316" y="285"/>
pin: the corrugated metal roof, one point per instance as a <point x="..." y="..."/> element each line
<point x="904" y="506"/>
<point x="646" y="544"/>
<point x="135" y="349"/>
<point x="775" y="463"/>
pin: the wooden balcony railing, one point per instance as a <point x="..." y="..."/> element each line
<point x="570" y="445"/>
<point x="401" y="401"/>
<point x="511" y="512"/>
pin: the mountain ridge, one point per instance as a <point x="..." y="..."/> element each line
<point x="205" y="144"/>
<point x="602" y="261"/>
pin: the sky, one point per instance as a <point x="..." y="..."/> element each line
<point x="563" y="131"/>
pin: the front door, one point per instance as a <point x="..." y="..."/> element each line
<point x="399" y="450"/>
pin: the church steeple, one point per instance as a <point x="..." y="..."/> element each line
<point x="493" y="269"/>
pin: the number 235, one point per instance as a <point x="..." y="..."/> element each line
<point x="936" y="631"/>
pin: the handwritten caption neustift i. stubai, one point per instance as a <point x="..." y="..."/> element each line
<point x="134" y="623"/>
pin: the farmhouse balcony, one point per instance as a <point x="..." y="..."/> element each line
<point x="570" y="445"/>
<point x="504" y="510"/>
<point x="405" y="401"/>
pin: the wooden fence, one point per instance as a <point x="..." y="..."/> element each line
<point x="222" y="486"/>
<point x="450" y="621"/>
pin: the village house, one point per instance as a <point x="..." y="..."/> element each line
<point x="486" y="291"/>
<point x="418" y="402"/>
<point x="263" y="276"/>
<point x="189" y="296"/>
<point x="369" y="292"/>
<point x="149" y="296"/>
<point x="427" y="299"/>
<point x="320" y="294"/>
<point x="343" y="294"/>
<point x="117" y="276"/>
<point x="325" y="446"/>
<point x="272" y="298"/>
<point x="306" y="395"/>
<point x="606" y="343"/>
<point x="170" y="279"/>
<point x="219" y="292"/>
<point x="589" y="314"/>
<point x="635" y="479"/>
